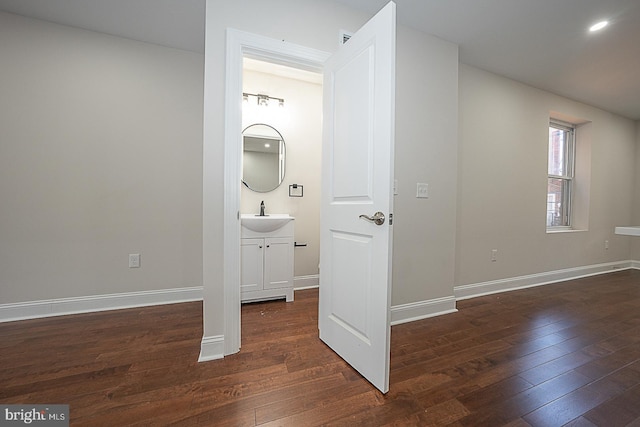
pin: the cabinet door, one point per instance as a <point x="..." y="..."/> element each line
<point x="252" y="264"/>
<point x="278" y="263"/>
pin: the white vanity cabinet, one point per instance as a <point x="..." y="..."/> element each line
<point x="267" y="264"/>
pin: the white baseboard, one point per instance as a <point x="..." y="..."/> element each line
<point x="411" y="312"/>
<point x="211" y="348"/>
<point x="495" y="286"/>
<point x="306" y="282"/>
<point x="430" y="308"/>
<point x="75" y="305"/>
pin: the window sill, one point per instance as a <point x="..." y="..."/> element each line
<point x="564" y="230"/>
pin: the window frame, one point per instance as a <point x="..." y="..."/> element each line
<point x="569" y="178"/>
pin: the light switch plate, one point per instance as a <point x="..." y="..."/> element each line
<point x="422" y="191"/>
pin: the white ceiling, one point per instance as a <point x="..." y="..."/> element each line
<point x="544" y="43"/>
<point x="173" y="23"/>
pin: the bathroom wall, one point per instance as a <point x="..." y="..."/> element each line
<point x="503" y="182"/>
<point x="100" y="156"/>
<point x="300" y="123"/>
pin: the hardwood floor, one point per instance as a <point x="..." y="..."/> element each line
<point x="562" y="354"/>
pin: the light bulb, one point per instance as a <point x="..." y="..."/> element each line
<point x="598" y="26"/>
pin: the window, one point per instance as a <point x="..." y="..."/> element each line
<point x="560" y="174"/>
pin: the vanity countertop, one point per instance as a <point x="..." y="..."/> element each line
<point x="272" y="225"/>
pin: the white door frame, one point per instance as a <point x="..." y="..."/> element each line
<point x="240" y="44"/>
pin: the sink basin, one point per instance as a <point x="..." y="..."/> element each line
<point x="264" y="224"/>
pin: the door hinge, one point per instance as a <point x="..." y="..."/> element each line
<point x="390" y="219"/>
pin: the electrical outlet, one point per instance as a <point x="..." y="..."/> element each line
<point x="606" y="244"/>
<point x="134" y="260"/>
<point x="422" y="191"/>
<point x="494" y="255"/>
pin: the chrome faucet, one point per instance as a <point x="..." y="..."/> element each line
<point x="262" y="208"/>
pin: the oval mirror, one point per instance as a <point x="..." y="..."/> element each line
<point x="263" y="158"/>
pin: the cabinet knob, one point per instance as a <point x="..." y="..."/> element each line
<point x="260" y="247"/>
<point x="268" y="245"/>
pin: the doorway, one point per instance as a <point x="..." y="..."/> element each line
<point x="287" y="101"/>
<point x="239" y="45"/>
<point x="359" y="117"/>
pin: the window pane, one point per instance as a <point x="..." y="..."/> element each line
<point x="558" y="141"/>
<point x="557" y="202"/>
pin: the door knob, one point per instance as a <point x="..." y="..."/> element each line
<point x="377" y="218"/>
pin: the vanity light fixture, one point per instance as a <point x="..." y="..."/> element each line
<point x="598" y="26"/>
<point x="261" y="99"/>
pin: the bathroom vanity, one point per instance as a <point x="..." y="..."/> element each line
<point x="266" y="248"/>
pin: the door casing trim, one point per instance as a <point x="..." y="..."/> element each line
<point x="239" y="45"/>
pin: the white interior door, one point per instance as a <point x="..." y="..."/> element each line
<point x="357" y="176"/>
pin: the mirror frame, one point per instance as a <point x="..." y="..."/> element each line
<point x="283" y="153"/>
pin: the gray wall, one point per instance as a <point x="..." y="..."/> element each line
<point x="635" y="242"/>
<point x="502" y="176"/>
<point x="426" y="152"/>
<point x="100" y="156"/>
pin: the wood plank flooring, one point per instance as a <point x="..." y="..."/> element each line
<point x="562" y="354"/>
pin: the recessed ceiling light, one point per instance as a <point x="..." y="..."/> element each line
<point x="598" y="26"/>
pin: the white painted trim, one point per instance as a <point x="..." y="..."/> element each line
<point x="240" y="44"/>
<point x="211" y="348"/>
<point x="232" y="176"/>
<point x="89" y="304"/>
<point x="411" y="312"/>
<point x="306" y="282"/>
<point x="502" y="285"/>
